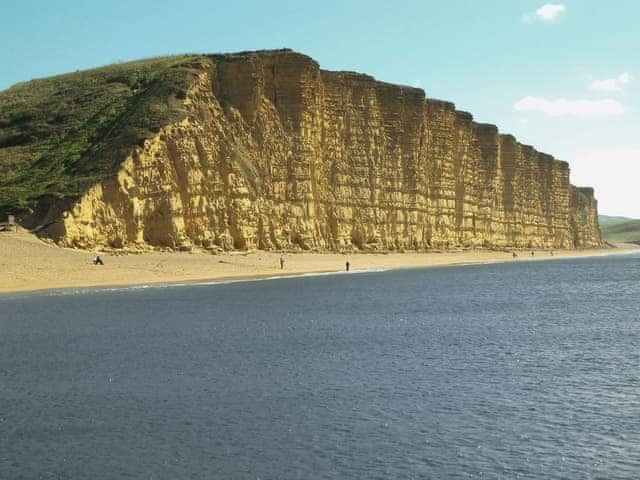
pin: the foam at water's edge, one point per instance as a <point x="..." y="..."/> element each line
<point x="147" y="286"/>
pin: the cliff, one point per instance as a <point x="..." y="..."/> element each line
<point x="266" y="150"/>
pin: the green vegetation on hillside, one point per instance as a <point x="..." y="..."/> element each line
<point x="608" y="219"/>
<point x="60" y="135"/>
<point x="620" y="230"/>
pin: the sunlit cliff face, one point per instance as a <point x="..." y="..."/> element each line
<point x="278" y="154"/>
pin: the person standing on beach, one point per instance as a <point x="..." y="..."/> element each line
<point x="281" y="263"/>
<point x="347" y="265"/>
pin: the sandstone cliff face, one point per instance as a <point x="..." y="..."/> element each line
<point x="278" y="154"/>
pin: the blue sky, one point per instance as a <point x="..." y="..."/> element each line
<point x="563" y="76"/>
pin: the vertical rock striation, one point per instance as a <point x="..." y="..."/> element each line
<point x="276" y="153"/>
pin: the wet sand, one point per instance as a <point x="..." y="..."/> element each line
<point x="28" y="264"/>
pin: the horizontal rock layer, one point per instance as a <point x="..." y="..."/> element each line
<point x="276" y="153"/>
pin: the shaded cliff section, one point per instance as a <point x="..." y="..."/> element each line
<point x="272" y="152"/>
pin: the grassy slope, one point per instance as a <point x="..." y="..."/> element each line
<point x="608" y="219"/>
<point x="621" y="231"/>
<point x="60" y="135"/>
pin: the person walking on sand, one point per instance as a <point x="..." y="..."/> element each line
<point x="515" y="255"/>
<point x="281" y="263"/>
<point x="98" y="260"/>
<point x="347" y="265"/>
<point x="532" y="253"/>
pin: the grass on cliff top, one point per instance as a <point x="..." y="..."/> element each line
<point x="60" y="135"/>
<point x="621" y="231"/>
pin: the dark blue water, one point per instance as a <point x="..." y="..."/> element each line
<point x="524" y="370"/>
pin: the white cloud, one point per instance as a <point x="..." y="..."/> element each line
<point x="616" y="192"/>
<point x="625" y="78"/>
<point x="579" y="108"/>
<point x="611" y="84"/>
<point x="548" y="13"/>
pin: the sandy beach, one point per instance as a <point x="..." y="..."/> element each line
<point x="29" y="264"/>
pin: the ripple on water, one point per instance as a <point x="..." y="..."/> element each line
<point x="525" y="370"/>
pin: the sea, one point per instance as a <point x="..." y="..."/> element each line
<point x="525" y="370"/>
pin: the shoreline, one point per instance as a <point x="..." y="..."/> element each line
<point x="30" y="265"/>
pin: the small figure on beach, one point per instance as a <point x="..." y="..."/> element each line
<point x="281" y="263"/>
<point x="532" y="253"/>
<point x="515" y="255"/>
<point x="347" y="265"/>
<point x="551" y="253"/>
<point x="98" y="260"/>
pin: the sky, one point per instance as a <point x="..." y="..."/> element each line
<point x="561" y="76"/>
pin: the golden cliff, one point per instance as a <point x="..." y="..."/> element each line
<point x="276" y="153"/>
